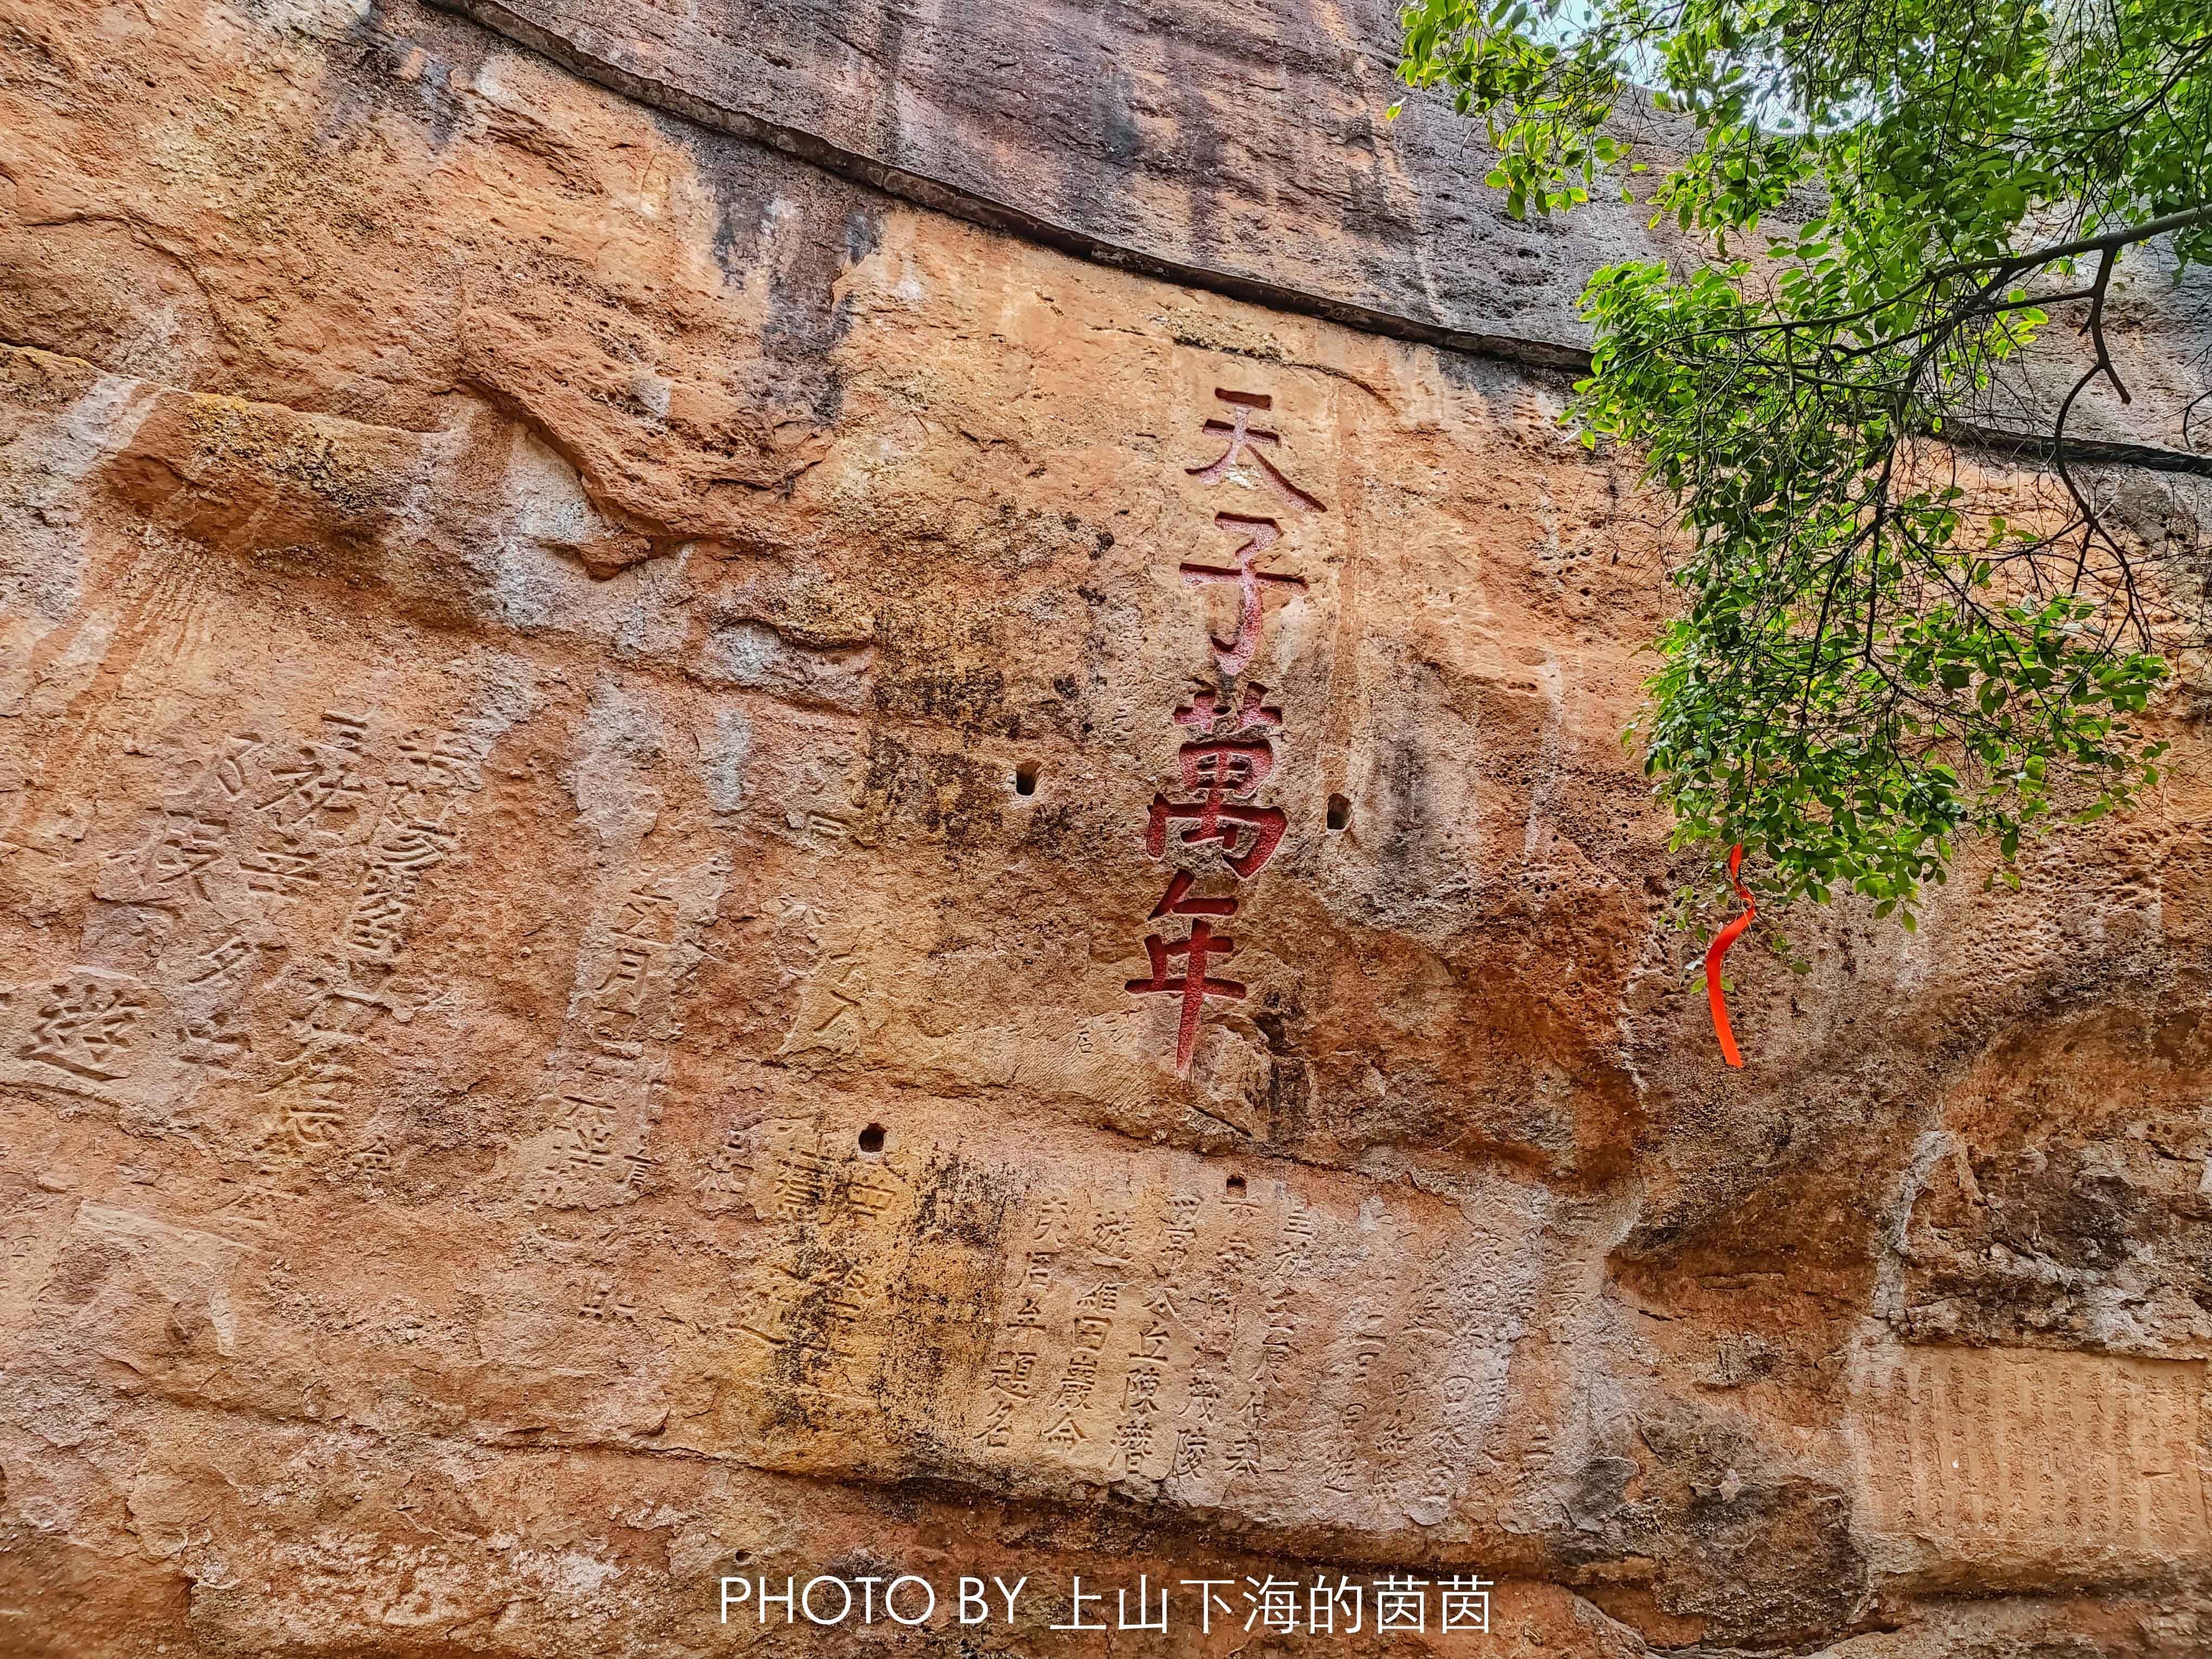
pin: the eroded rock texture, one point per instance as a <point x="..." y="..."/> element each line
<point x="583" y="701"/>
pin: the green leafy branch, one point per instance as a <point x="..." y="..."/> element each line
<point x="1872" y="662"/>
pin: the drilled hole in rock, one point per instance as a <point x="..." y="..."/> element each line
<point x="871" y="1138"/>
<point x="1025" y="777"/>
<point x="1339" y="811"/>
<point x="1237" y="1186"/>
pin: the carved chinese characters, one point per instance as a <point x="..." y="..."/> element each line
<point x="2030" y="1456"/>
<point x="247" y="936"/>
<point x="1265" y="1343"/>
<point x="605" y="1080"/>
<point x="1229" y="752"/>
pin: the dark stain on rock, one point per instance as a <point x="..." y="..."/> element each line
<point x="1289" y="1103"/>
<point x="1765" y="1555"/>
<point x="1286" y="1099"/>
<point x="947" y="795"/>
<point x="967" y="697"/>
<point x="1401" y="851"/>
<point x="1056" y="832"/>
<point x="940" y="661"/>
<point x="965" y="1202"/>
<point x="1122" y="139"/>
<point x="405" y="69"/>
<point x="804" y="236"/>
<point x="943" y="1287"/>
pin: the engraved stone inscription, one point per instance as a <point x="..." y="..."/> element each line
<point x="1994" y="1454"/>
<point x="1231" y="754"/>
<point x="1272" y="1343"/>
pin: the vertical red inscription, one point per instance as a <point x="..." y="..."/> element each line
<point x="1245" y="441"/>
<point x="1259" y="535"/>
<point x="1231" y="751"/>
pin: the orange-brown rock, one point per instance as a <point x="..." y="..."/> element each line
<point x="581" y="698"/>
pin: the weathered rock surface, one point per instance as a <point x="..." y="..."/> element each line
<point x="1242" y="145"/>
<point x="580" y="707"/>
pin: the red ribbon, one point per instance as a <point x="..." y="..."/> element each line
<point x="1719" y="948"/>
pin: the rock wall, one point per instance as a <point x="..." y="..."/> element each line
<point x="604" y="713"/>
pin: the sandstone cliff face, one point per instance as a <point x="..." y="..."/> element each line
<point x="582" y="703"/>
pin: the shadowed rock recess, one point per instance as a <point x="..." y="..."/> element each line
<point x="798" y="789"/>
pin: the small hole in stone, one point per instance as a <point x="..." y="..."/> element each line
<point x="1339" y="811"/>
<point x="1025" y="777"/>
<point x="1237" y="1186"/>
<point x="871" y="1138"/>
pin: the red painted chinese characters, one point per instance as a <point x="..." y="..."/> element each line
<point x="1231" y="753"/>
